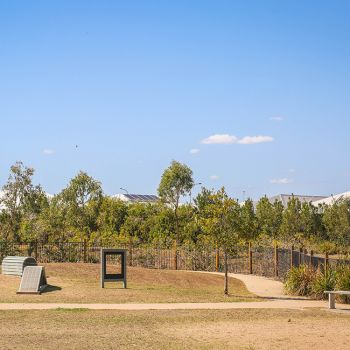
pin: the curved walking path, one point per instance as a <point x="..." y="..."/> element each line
<point x="269" y="290"/>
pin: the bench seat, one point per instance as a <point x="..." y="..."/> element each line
<point x="332" y="294"/>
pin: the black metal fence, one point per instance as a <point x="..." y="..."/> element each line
<point x="259" y="260"/>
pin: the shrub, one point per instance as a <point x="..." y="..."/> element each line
<point x="298" y="280"/>
<point x="343" y="281"/>
<point x="322" y="281"/>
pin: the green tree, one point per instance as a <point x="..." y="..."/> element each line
<point x="138" y="223"/>
<point x="176" y="181"/>
<point x="21" y="201"/>
<point x="311" y="222"/>
<point x="249" y="222"/>
<point x="51" y="225"/>
<point x="202" y="199"/>
<point x="111" y="217"/>
<point x="336" y="219"/>
<point x="163" y="228"/>
<point x="269" y="217"/>
<point x="291" y="227"/>
<point x="221" y="222"/>
<point x="81" y="201"/>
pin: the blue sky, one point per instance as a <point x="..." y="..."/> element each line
<point x="136" y="84"/>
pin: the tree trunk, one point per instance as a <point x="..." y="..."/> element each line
<point x="226" y="276"/>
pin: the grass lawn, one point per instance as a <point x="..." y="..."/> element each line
<point x="79" y="283"/>
<point x="200" y="329"/>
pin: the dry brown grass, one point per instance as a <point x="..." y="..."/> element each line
<point x="79" y="283"/>
<point x="225" y="329"/>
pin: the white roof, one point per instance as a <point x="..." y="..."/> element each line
<point x="332" y="199"/>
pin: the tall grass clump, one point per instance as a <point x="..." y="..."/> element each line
<point x="323" y="280"/>
<point x="343" y="281"/>
<point x="298" y="280"/>
<point x="305" y="281"/>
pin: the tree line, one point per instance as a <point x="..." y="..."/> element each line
<point x="81" y="211"/>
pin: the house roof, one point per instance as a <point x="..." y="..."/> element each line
<point x="285" y="198"/>
<point x="332" y="199"/>
<point x="143" y="198"/>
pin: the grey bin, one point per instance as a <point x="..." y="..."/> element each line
<point x="14" y="265"/>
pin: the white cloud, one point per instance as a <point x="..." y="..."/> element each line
<point x="292" y="170"/>
<point x="213" y="177"/>
<point x="194" y="151"/>
<point x="226" y="139"/>
<point x="48" y="151"/>
<point x="250" y="140"/>
<point x="277" y="119"/>
<point x="283" y="181"/>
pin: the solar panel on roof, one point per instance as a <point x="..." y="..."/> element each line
<point x="132" y="197"/>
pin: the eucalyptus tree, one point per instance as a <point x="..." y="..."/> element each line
<point x="81" y="201"/>
<point x="20" y="201"/>
<point x="176" y="181"/>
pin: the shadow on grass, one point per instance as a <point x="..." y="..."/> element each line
<point x="287" y="298"/>
<point x="49" y="288"/>
<point x="260" y="298"/>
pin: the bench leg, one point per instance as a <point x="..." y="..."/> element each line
<point x="331" y="298"/>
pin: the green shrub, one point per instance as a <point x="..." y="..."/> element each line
<point x="343" y="281"/>
<point x="298" y="280"/>
<point x="322" y="281"/>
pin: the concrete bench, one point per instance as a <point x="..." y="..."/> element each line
<point x="331" y="296"/>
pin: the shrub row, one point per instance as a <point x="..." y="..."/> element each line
<point x="306" y="281"/>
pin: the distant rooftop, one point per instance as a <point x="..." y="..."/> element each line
<point x="137" y="198"/>
<point x="285" y="198"/>
<point x="332" y="199"/>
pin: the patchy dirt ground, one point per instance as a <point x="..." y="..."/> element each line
<point x="232" y="329"/>
<point x="79" y="283"/>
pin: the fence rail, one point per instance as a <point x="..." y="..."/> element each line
<point x="264" y="261"/>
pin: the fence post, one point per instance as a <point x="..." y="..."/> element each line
<point x="276" y="259"/>
<point x="217" y="258"/>
<point x="250" y="254"/>
<point x="85" y="250"/>
<point x="130" y="253"/>
<point x="299" y="257"/>
<point x="311" y="258"/>
<point x="175" y="256"/>
<point x="326" y="263"/>
<point x="36" y="250"/>
<point x="291" y="256"/>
